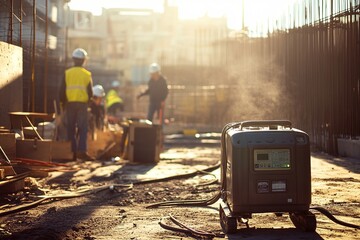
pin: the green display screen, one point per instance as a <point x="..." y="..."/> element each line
<point x="272" y="159"/>
<point x="263" y="156"/>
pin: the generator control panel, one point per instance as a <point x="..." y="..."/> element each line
<point x="271" y="159"/>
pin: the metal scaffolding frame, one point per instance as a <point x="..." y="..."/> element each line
<point x="38" y="64"/>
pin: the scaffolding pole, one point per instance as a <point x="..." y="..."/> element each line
<point x="33" y="58"/>
<point x="46" y="56"/>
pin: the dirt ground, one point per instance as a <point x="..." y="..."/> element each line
<point x="112" y="214"/>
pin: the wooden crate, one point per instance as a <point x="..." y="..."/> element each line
<point x="8" y="144"/>
<point x="62" y="150"/>
<point x="34" y="149"/>
<point x="144" y="143"/>
<point x="7" y="171"/>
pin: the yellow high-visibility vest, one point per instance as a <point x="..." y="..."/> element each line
<point x="77" y="80"/>
<point x="112" y="97"/>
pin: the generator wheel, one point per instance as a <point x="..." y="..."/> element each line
<point x="305" y="221"/>
<point x="228" y="224"/>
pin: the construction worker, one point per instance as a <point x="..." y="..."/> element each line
<point x="75" y="93"/>
<point x="114" y="103"/>
<point x="157" y="91"/>
<point x="97" y="109"/>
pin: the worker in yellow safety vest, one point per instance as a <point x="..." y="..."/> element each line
<point x="114" y="103"/>
<point x="75" y="93"/>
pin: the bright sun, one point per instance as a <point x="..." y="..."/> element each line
<point x="258" y="13"/>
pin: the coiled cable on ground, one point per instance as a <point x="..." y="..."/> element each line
<point x="195" y="233"/>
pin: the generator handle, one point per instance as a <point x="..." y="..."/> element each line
<point x="265" y="123"/>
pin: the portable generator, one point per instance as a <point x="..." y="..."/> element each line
<point x="265" y="168"/>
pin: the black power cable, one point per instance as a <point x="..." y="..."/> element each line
<point x="183" y="203"/>
<point x="333" y="218"/>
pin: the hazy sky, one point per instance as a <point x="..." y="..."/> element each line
<point x="257" y="12"/>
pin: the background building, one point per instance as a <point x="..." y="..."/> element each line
<point x="128" y="40"/>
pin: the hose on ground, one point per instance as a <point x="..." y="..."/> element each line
<point x="207" y="202"/>
<point x="175" y="229"/>
<point x="333" y="218"/>
<point x="195" y="233"/>
<point x="208" y="183"/>
<point x="188" y="203"/>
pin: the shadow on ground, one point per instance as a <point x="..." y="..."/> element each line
<point x="351" y="164"/>
<point x="270" y="233"/>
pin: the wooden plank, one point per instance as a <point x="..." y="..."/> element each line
<point x="33" y="127"/>
<point x="8" y="143"/>
<point x="34" y="149"/>
<point x="8" y="170"/>
<point x="13" y="184"/>
<point x="4" y="130"/>
<point x="37" y="171"/>
<point x="103" y="140"/>
<point x="2" y="174"/>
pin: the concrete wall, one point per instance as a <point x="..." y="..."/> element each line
<point x="11" y="84"/>
<point x="349" y="147"/>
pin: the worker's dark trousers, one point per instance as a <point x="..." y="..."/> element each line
<point x="154" y="108"/>
<point x="77" y="118"/>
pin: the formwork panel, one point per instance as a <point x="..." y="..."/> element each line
<point x="11" y="84"/>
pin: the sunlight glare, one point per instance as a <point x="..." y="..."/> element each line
<point x="258" y="13"/>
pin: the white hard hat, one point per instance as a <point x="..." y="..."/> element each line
<point x="79" y="53"/>
<point x="98" y="91"/>
<point x="115" y="84"/>
<point x="154" y="67"/>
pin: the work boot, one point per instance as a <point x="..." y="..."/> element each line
<point x="84" y="156"/>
